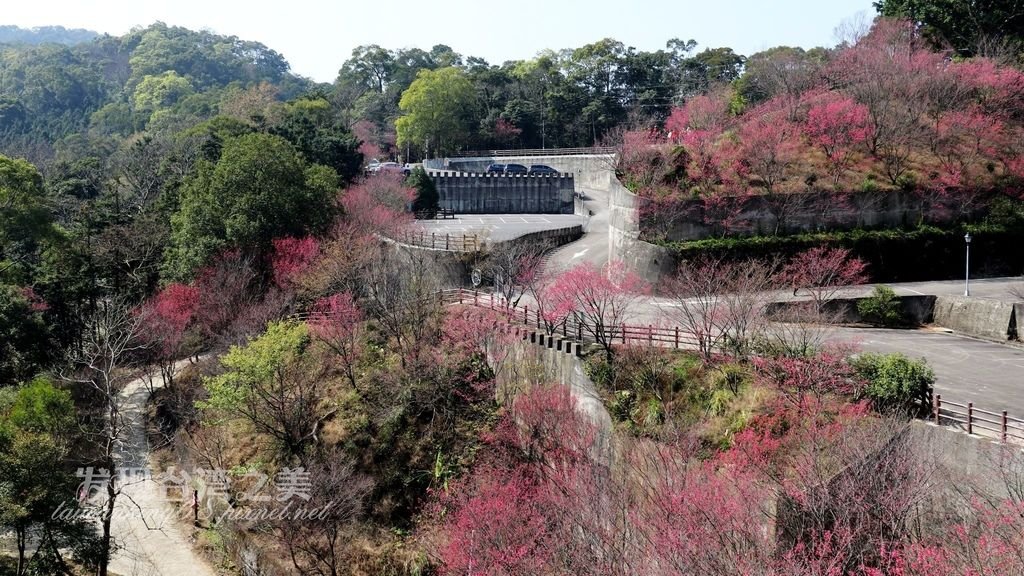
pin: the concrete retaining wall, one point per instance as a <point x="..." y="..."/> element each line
<point x="917" y="310"/>
<point x="551" y="238"/>
<point x="969" y="465"/>
<point x="653" y="263"/>
<point x="976" y="317"/>
<point x="535" y="359"/>
<point x="472" y="193"/>
<point x="804" y="212"/>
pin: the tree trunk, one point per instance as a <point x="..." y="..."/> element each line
<point x="108" y="516"/>
<point x="21" y="534"/>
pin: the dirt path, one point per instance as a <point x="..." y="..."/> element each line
<point x="152" y="541"/>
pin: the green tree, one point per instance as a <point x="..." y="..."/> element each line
<point x="157" y="94"/>
<point x="259" y="189"/>
<point x="37" y="493"/>
<point x="708" y="68"/>
<point x="435" y="109"/>
<point x="24" y="218"/>
<point x="312" y="127"/>
<point x="882" y="308"/>
<point x="426" y="193"/>
<point x="276" y="384"/>
<point x="39" y="407"/>
<point x="969" y="26"/>
<point x="25" y="343"/>
<point x="370" y="67"/>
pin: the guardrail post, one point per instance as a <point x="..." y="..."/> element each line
<point x="970" y="417"/>
<point x="579" y="329"/>
<point x="1004" y="423"/>
<point x="526" y="314"/>
<point x="650" y="335"/>
<point x="623" y="334"/>
<point x="475" y="297"/>
<point x="447" y="240"/>
<point x="677" y="337"/>
<point x="565" y="327"/>
<point x="937" y="407"/>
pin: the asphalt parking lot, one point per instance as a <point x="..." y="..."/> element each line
<point x="989" y="374"/>
<point x="500" y="227"/>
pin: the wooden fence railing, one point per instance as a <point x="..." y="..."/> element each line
<point x="534" y="152"/>
<point x="973" y="420"/>
<point x="574" y="326"/>
<point x="435" y="241"/>
<point x="978" y="421"/>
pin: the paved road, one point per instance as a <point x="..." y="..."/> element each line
<point x="987" y="288"/>
<point x="500" y="227"/>
<point x="967" y="370"/>
<point x="593" y="246"/>
<point x="153" y="542"/>
<point x="145" y="527"/>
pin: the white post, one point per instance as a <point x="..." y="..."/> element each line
<point x="967" y="266"/>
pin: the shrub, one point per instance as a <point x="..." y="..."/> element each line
<point x="882" y="308"/>
<point x="893" y="255"/>
<point x="895" y="383"/>
<point x="427" y="197"/>
<point x="600" y="371"/>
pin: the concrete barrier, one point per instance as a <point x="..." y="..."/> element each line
<point x="917" y="310"/>
<point x="538" y="359"/>
<point x="989" y="319"/>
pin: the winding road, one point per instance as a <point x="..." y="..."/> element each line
<point x="151" y="539"/>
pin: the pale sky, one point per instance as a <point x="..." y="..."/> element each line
<point x="316" y="36"/>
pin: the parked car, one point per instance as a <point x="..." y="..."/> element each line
<point x="389" y="167"/>
<point x="496" y="169"/>
<point x="542" y="169"/>
<point x="516" y="169"/>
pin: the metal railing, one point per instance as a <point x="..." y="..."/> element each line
<point x="978" y="421"/>
<point x="534" y="152"/>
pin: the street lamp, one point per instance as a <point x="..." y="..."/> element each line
<point x="967" y="270"/>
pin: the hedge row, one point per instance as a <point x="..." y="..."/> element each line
<point x="924" y="253"/>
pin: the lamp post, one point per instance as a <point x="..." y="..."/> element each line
<point x="967" y="269"/>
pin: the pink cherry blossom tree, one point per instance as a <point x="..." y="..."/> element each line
<point x="337" y="322"/>
<point x="838" y="125"/>
<point x="601" y="299"/>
